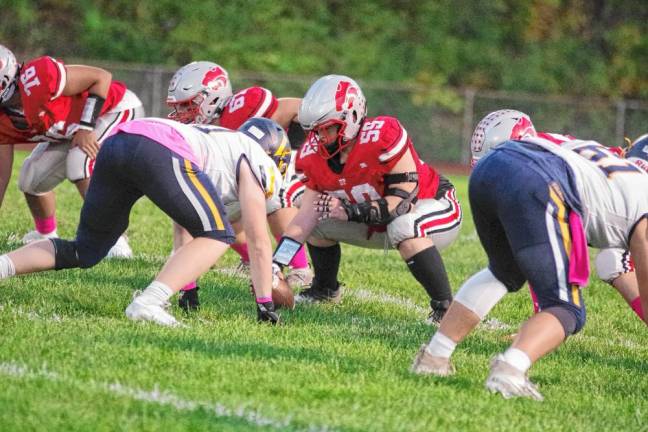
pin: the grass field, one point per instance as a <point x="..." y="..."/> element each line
<point x="70" y="360"/>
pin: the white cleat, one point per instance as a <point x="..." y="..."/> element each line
<point x="121" y="249"/>
<point x="141" y="309"/>
<point x="427" y="364"/>
<point x="33" y="236"/>
<point x="509" y="381"/>
<point x="298" y="278"/>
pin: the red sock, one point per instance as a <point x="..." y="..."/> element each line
<point x="636" y="307"/>
<point x="45" y="225"/>
<point x="242" y="250"/>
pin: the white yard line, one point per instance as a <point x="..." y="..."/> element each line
<point x="159" y="396"/>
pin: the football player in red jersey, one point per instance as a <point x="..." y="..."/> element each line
<point x="69" y="110"/>
<point x="366" y="185"/>
<point x="613" y="266"/>
<point x="201" y="92"/>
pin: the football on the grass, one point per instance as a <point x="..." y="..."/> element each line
<point x="282" y="295"/>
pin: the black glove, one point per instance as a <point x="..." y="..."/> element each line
<point x="266" y="313"/>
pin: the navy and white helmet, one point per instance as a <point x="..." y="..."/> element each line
<point x="8" y="74"/>
<point x="638" y="152"/>
<point x="271" y="137"/>
<point x="497" y="128"/>
<point x="333" y="100"/>
<point x="198" y="92"/>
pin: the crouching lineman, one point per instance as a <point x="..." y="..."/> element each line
<point x="201" y="92"/>
<point x="536" y="207"/>
<point x="365" y="185"/>
<point x="613" y="266"/>
<point x="70" y="110"/>
<point x="189" y="172"/>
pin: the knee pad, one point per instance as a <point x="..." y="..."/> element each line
<point x="78" y="166"/>
<point x="572" y="319"/>
<point x="43" y="170"/>
<point x="481" y="293"/>
<point x="400" y="229"/>
<point x="612" y="263"/>
<point x="65" y="254"/>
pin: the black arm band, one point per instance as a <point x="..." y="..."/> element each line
<point x="286" y="251"/>
<point x="406" y="177"/>
<point x="91" y="111"/>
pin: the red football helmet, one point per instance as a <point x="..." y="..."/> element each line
<point x="198" y="92"/>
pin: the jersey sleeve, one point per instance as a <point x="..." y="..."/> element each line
<point x="248" y="103"/>
<point x="392" y="138"/>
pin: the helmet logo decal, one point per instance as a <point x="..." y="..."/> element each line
<point x="345" y="95"/>
<point x="215" y="78"/>
<point x="522" y="127"/>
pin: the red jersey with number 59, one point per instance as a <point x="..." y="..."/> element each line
<point x="380" y="144"/>
<point x="46" y="110"/>
<point x="248" y="103"/>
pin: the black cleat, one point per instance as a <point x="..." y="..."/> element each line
<point x="189" y="300"/>
<point x="315" y="294"/>
<point x="439" y="309"/>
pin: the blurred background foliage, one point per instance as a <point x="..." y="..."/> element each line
<point x="579" y="47"/>
<point x="575" y="66"/>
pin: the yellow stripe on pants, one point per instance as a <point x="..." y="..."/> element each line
<point x="203" y="192"/>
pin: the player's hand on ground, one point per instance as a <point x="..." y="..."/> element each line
<point x="330" y="207"/>
<point x="87" y="142"/>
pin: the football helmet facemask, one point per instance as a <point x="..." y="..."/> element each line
<point x="8" y="74"/>
<point x="333" y="105"/>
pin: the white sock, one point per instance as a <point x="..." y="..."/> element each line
<point x="441" y="345"/>
<point x="518" y="359"/>
<point x="7" y="268"/>
<point x="157" y="292"/>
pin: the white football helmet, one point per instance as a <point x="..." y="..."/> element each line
<point x="333" y="100"/>
<point x="8" y="73"/>
<point x="198" y="92"/>
<point x="496" y="128"/>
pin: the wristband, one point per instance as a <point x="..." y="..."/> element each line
<point x="91" y="111"/>
<point x="286" y="251"/>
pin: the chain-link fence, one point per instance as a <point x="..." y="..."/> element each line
<point x="439" y="134"/>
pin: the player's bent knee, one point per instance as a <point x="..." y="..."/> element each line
<point x="65" y="254"/>
<point x="77" y="165"/>
<point x="571" y="319"/>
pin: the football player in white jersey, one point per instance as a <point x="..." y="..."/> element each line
<point x="613" y="266"/>
<point x="190" y="172"/>
<point x="201" y="92"/>
<point x="536" y="206"/>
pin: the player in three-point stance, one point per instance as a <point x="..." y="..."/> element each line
<point x="201" y="92"/>
<point x="366" y="185"/>
<point x="70" y="110"/>
<point x="536" y="207"/>
<point x="190" y="172"/>
<point x="614" y="266"/>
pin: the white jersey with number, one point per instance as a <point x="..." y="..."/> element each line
<point x="216" y="151"/>
<point x="613" y="191"/>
